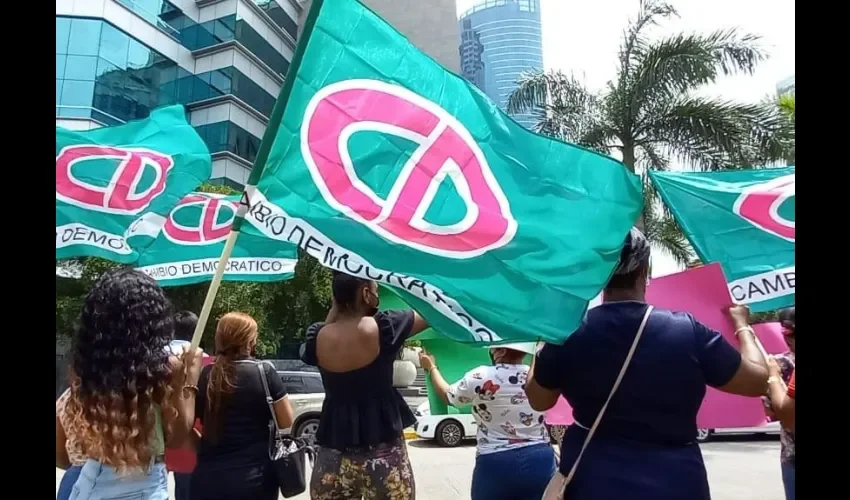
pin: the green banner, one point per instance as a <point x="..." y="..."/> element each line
<point x="743" y="219"/>
<point x="386" y="166"/>
<point x="116" y="185"/>
<point x="192" y="240"/>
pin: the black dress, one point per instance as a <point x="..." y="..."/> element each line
<point x="237" y="466"/>
<point x="362" y="408"/>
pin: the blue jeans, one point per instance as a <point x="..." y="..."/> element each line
<point x="788" y="473"/>
<point x="68" y="481"/>
<point x="101" y="482"/>
<point x="515" y="474"/>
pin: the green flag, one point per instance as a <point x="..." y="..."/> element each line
<point x="192" y="239"/>
<point x="384" y="165"/>
<point x="115" y="185"/>
<point x="743" y="219"/>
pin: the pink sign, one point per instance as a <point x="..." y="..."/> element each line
<point x="703" y="292"/>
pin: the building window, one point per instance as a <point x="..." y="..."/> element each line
<point x="193" y="88"/>
<point x="156" y="12"/>
<point x="279" y="16"/>
<point x="227" y="136"/>
<point x="104" y="74"/>
<point x="196" y="36"/>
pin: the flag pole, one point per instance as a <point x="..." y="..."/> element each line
<point x="212" y="291"/>
<point x="257" y="170"/>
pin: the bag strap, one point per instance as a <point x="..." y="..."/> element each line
<point x="269" y="401"/>
<point x="610" y="395"/>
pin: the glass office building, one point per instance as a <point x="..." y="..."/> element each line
<point x="500" y="40"/>
<point x="225" y="60"/>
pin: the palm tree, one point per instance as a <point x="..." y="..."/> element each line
<point x="651" y="115"/>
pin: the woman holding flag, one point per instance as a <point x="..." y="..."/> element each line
<point x="511" y="435"/>
<point x="644" y="433"/>
<point x="361" y="450"/>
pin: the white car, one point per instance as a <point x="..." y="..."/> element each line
<point x="447" y="430"/>
<point x="451" y="430"/>
<point x="704" y="435"/>
<point x="306" y="395"/>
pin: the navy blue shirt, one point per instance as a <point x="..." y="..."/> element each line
<point x="663" y="388"/>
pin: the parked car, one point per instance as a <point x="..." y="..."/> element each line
<point x="451" y="430"/>
<point x="704" y="435"/>
<point x="306" y="395"/>
<point x="448" y="430"/>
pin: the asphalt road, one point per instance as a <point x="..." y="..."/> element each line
<point x="739" y="468"/>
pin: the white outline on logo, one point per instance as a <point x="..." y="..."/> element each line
<point x="108" y="190"/>
<point x="222" y="201"/>
<point x="780" y="184"/>
<point x="451" y="170"/>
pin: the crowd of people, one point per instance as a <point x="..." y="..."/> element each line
<point x="141" y="402"/>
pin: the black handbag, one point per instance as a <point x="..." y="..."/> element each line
<point x="288" y="455"/>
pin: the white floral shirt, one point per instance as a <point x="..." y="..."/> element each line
<point x="500" y="406"/>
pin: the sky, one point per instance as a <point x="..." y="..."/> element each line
<point x="582" y="37"/>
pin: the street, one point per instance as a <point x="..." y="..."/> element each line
<point x="739" y="468"/>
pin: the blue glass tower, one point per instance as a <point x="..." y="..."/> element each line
<point x="116" y="60"/>
<point x="500" y="40"/>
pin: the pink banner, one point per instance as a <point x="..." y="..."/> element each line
<point x="703" y="292"/>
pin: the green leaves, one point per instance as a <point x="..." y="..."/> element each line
<point x="651" y="114"/>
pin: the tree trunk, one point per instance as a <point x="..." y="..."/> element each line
<point x="629" y="161"/>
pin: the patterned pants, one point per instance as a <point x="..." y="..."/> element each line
<point x="380" y="472"/>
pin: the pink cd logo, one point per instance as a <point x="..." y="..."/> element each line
<point x="445" y="149"/>
<point x="206" y="228"/>
<point x="759" y="205"/>
<point x="121" y="194"/>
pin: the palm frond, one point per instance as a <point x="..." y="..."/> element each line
<point x="664" y="233"/>
<point x="681" y="63"/>
<point x="786" y="105"/>
<point x="710" y="133"/>
<point x="648" y="15"/>
<point x="564" y="107"/>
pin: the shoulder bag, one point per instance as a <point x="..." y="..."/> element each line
<point x="289" y="455"/>
<point x="558" y="485"/>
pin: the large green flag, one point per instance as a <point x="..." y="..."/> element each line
<point x="743" y="219"/>
<point x="115" y="185"/>
<point x="192" y="239"/>
<point x="386" y="166"/>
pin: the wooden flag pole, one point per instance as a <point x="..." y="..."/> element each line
<point x="212" y="291"/>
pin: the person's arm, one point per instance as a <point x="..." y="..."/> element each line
<point x="440" y="385"/>
<point x="396" y="326"/>
<point x="184" y="380"/>
<point x="282" y="408"/>
<point x="543" y="385"/>
<point x="419" y="324"/>
<point x="62" y="460"/>
<point x="782" y="397"/>
<point x="736" y="372"/>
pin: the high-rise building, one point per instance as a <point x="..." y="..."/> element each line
<point x="225" y="60"/>
<point x="472" y="55"/>
<point x="428" y="24"/>
<point x="786" y="87"/>
<point x="510" y="33"/>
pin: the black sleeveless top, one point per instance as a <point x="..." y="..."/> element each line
<point x="362" y="408"/>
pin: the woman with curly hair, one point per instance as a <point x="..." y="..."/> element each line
<point x="128" y="399"/>
<point x="233" y="452"/>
